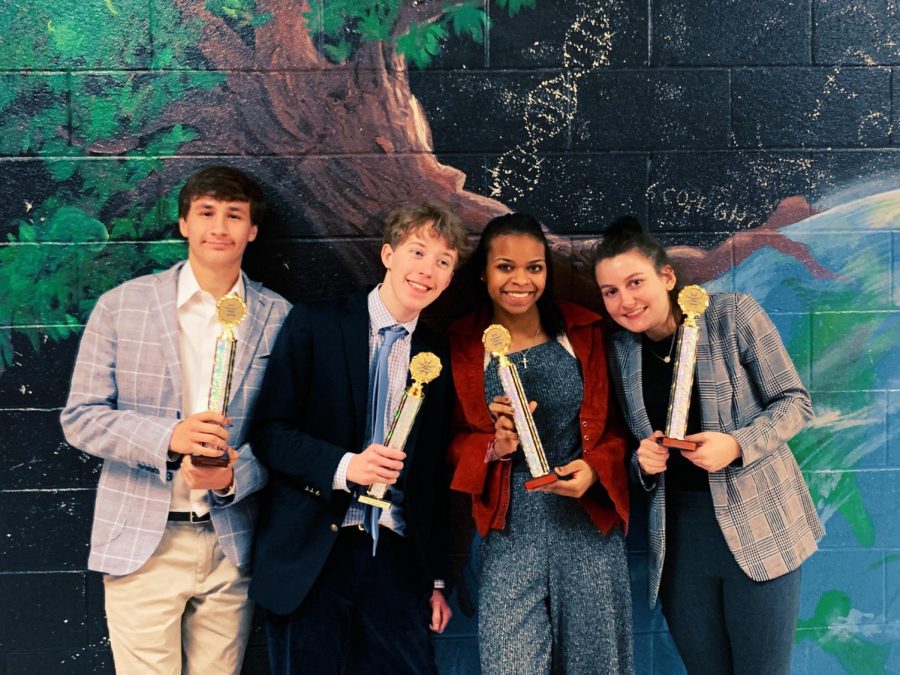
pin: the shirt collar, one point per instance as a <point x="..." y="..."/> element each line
<point x="380" y="317"/>
<point x="188" y="286"/>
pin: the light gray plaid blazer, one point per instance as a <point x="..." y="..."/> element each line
<point x="749" y="388"/>
<point x="125" y="401"/>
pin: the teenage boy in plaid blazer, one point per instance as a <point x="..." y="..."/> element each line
<point x="172" y="538"/>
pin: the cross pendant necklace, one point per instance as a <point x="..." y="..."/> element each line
<point x="525" y="353"/>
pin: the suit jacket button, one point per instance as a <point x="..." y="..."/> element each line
<point x="168" y="475"/>
<point x="334" y="527"/>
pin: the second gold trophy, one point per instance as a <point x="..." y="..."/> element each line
<point x="423" y="368"/>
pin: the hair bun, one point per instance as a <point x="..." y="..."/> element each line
<point x="624" y="226"/>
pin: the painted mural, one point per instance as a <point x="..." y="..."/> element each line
<point x="766" y="160"/>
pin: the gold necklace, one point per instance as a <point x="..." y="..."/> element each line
<point x="668" y="357"/>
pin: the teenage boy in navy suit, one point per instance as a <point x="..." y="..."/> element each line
<point x="336" y="599"/>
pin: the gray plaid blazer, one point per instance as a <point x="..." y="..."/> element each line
<point x="125" y="401"/>
<point x="748" y="388"/>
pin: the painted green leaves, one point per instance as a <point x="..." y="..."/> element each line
<point x="416" y="30"/>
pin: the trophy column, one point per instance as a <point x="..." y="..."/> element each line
<point x="496" y="340"/>
<point x="693" y="301"/>
<point x="423" y="368"/>
<point x="230" y="310"/>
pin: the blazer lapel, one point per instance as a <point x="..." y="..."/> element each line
<point x="705" y="379"/>
<point x="163" y="312"/>
<point x="250" y="332"/>
<point x="638" y="421"/>
<point x="355" y="329"/>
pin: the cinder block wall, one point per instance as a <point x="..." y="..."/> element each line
<point x="761" y="133"/>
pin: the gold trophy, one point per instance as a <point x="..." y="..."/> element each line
<point x="423" y="368"/>
<point x="230" y="310"/>
<point x="693" y="301"/>
<point x="496" y="340"/>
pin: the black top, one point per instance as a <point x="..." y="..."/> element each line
<point x="681" y="474"/>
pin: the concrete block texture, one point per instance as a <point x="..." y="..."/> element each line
<point x="812" y="107"/>
<point x="756" y="139"/>
<point x="655" y="110"/>
<point x="710" y="32"/>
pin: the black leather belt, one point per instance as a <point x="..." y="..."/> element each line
<point x="187" y="517"/>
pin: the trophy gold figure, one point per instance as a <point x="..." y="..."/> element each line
<point x="423" y="368"/>
<point x="230" y="310"/>
<point x="496" y="340"/>
<point x="693" y="301"/>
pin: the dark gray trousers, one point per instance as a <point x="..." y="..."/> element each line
<point x="720" y="619"/>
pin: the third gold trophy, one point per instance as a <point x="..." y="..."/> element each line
<point x="496" y="340"/>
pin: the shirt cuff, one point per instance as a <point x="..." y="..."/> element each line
<point x="339" y="482"/>
<point x="225" y="494"/>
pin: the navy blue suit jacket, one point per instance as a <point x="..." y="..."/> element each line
<point x="310" y="411"/>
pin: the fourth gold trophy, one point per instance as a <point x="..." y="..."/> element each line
<point x="693" y="301"/>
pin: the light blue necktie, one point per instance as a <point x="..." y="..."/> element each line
<point x="378" y="406"/>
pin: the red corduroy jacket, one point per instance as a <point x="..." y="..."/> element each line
<point x="603" y="436"/>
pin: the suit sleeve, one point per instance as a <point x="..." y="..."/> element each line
<point x="785" y="401"/>
<point x="91" y="419"/>
<point x="249" y="476"/>
<point x="466" y="454"/>
<point x="278" y="439"/>
<point x="483" y="481"/>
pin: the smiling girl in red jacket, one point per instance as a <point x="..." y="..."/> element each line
<point x="554" y="589"/>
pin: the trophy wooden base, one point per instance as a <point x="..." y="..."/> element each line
<point x="677" y="443"/>
<point x="540" y="481"/>
<point x="383" y="504"/>
<point x="203" y="460"/>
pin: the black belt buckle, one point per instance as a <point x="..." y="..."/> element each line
<point x="188" y="517"/>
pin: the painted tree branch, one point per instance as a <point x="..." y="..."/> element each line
<point x="361" y="140"/>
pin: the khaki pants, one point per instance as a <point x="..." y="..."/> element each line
<point x="185" y="611"/>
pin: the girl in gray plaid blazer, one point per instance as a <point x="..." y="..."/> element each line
<point x="731" y="521"/>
